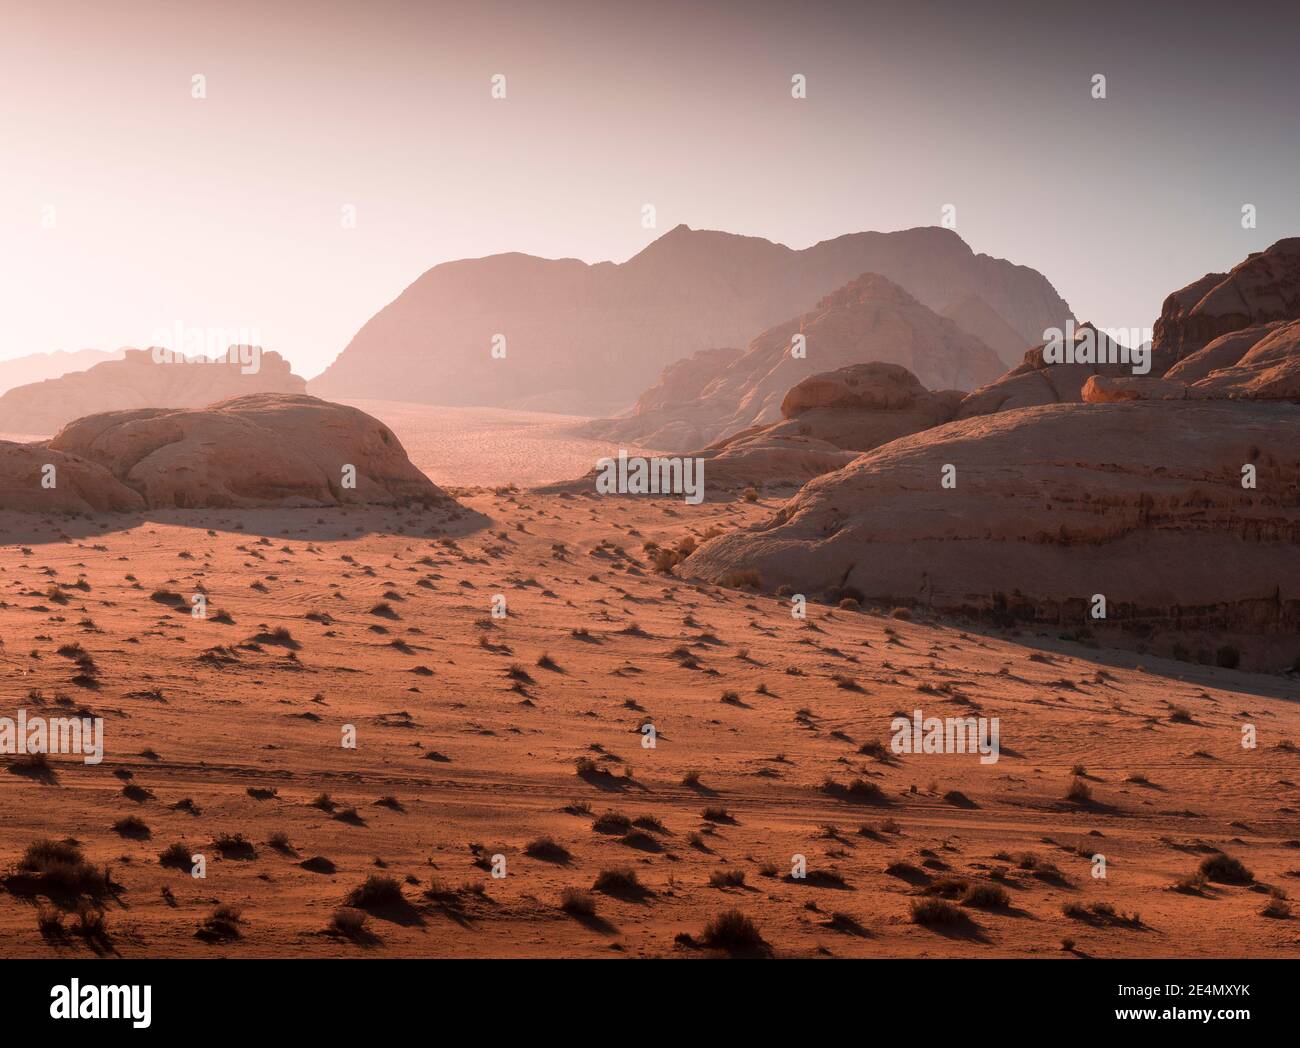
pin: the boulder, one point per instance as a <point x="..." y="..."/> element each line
<point x="259" y="450"/>
<point x="1142" y="502"/>
<point x="73" y="485"/>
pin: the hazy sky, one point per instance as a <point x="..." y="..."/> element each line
<point x="226" y="212"/>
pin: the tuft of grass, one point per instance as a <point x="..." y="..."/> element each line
<point x="1225" y="869"/>
<point x="1079" y="792"/>
<point x="222" y="922"/>
<point x="984" y="896"/>
<point x="611" y="822"/>
<point x="547" y="848"/>
<point x="132" y="826"/>
<point x="727" y="879"/>
<point x="375" y="891"/>
<point x="61" y="868"/>
<point x="1277" y="906"/>
<point x="619" y="880"/>
<point x="578" y="903"/>
<point x="932" y="912"/>
<point x="731" y="930"/>
<point x="349" y="922"/>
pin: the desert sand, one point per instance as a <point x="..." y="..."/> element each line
<point x="521" y="737"/>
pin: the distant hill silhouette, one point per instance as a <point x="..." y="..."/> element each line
<point x="590" y="338"/>
<point x="137" y="381"/>
<point x="37" y="367"/>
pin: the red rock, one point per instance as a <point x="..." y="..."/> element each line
<point x="588" y="338"/>
<point x="1262" y="288"/>
<point x="78" y="486"/>
<point x="1141" y="502"/>
<point x="869" y="319"/>
<point x="1036" y="382"/>
<point x="261" y="450"/>
<point x="137" y="381"/>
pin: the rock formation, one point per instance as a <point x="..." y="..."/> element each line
<point x="827" y="420"/>
<point x="1262" y="288"/>
<point x="1261" y="362"/>
<point x="261" y="450"/>
<point x="1143" y="503"/>
<point x="36" y="479"/>
<point x="869" y="319"/>
<point x="138" y="381"/>
<point x="1035" y="382"/>
<point x="976" y="317"/>
<point x="588" y="338"/>
<point x="37" y="367"/>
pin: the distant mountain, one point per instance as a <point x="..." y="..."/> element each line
<point x="976" y="317"/>
<point x="137" y="381"/>
<point x="589" y="338"/>
<point x="870" y="319"/>
<point x="37" y="367"/>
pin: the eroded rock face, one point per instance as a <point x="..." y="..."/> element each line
<point x="870" y="319"/>
<point x="138" y="381"/>
<point x="1261" y="362"/>
<point x="1268" y="369"/>
<point x="259" y="450"/>
<point x="1035" y="382"/>
<point x="1142" y="502"/>
<point x="264" y="450"/>
<point x="827" y="420"/>
<point x="73" y="486"/>
<point x="1264" y="287"/>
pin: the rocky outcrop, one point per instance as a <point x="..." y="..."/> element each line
<point x="588" y="338"/>
<point x="263" y="450"/>
<point x="1264" y="287"/>
<point x="139" y="381"/>
<point x="869" y="319"/>
<point x="1035" y="382"/>
<point x="36" y="479"/>
<point x="827" y="420"/>
<point x="1256" y="363"/>
<point x="1141" y="502"/>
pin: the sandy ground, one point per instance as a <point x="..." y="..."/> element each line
<point x="491" y="446"/>
<point x="456" y="760"/>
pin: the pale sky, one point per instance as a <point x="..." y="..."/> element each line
<point x="225" y="211"/>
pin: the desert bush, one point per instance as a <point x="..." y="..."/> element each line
<point x="577" y="903"/>
<point x="376" y="890"/>
<point x="932" y="912"/>
<point x="1225" y="869"/>
<point x="732" y="930"/>
<point x="727" y="879"/>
